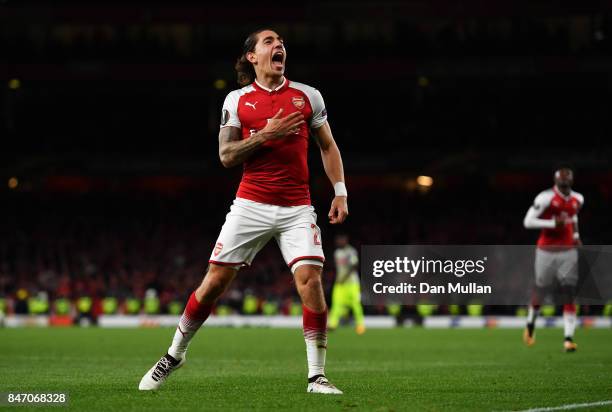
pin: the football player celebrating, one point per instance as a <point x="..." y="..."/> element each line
<point x="265" y="127"/>
<point x="555" y="212"/>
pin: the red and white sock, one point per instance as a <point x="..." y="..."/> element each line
<point x="315" y="335"/>
<point x="193" y="317"/>
<point x="569" y="320"/>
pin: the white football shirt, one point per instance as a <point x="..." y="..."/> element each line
<point x="347" y="260"/>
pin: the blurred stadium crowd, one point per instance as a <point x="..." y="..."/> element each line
<point x="111" y="185"/>
<point x="125" y="246"/>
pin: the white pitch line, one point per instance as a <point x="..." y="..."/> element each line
<point x="567" y="407"/>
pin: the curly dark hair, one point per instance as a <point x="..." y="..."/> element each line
<point x="244" y="69"/>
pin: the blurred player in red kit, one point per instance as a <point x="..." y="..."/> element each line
<point x="555" y="212"/>
<point x="265" y="127"/>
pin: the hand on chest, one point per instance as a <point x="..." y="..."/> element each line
<point x="255" y="109"/>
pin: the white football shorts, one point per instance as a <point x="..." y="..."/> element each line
<point x="562" y="265"/>
<point x="250" y="225"/>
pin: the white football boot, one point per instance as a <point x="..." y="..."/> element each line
<point x="157" y="375"/>
<point x="322" y="385"/>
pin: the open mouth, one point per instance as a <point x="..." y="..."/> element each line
<point x="277" y="60"/>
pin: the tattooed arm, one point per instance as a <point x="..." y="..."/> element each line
<point x="233" y="150"/>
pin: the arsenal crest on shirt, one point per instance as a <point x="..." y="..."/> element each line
<point x="298" y="102"/>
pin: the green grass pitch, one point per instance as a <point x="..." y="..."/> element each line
<point x="264" y="369"/>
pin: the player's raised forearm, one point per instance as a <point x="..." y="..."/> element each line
<point x="233" y="150"/>
<point x="233" y="153"/>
